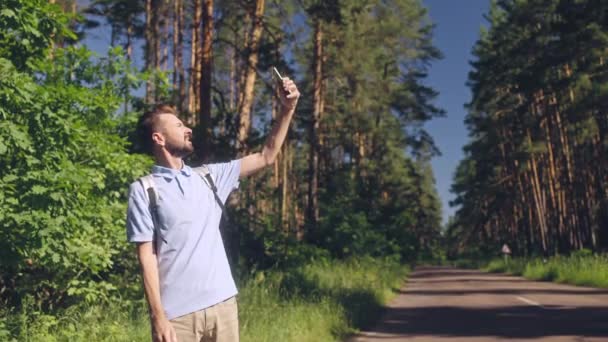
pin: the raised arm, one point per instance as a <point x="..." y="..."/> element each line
<point x="257" y="161"/>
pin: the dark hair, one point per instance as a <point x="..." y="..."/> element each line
<point x="146" y="125"/>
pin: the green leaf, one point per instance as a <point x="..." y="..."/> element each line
<point x="7" y="12"/>
<point x="38" y="190"/>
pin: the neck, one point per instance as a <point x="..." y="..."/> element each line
<point x="166" y="160"/>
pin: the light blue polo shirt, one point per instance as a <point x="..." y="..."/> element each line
<point x="193" y="268"/>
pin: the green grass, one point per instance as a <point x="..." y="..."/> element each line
<point x="116" y="322"/>
<point x="322" y="301"/>
<point x="318" y="302"/>
<point x="583" y="269"/>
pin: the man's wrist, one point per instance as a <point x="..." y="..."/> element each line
<point x="289" y="107"/>
<point x="158" y="316"/>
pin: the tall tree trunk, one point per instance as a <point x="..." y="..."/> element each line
<point x="157" y="10"/>
<point x="553" y="180"/>
<point x="195" y="62"/>
<point x="129" y="51"/>
<point x="313" y="162"/>
<point x="165" y="37"/>
<point x="207" y="73"/>
<point x="149" y="55"/>
<point x="241" y="58"/>
<point x="538" y="199"/>
<point x="178" y="53"/>
<point x="245" y="106"/>
<point x="233" y="56"/>
<point x="276" y="175"/>
<point x="285" y="199"/>
<point x="129" y="43"/>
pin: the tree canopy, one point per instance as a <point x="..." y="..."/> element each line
<point x="534" y="175"/>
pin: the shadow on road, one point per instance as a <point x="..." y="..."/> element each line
<point x="435" y="306"/>
<point x="469" y="280"/>
<point x="504" y="322"/>
<point x="428" y="272"/>
<point x="515" y="291"/>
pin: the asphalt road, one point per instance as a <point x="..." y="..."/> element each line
<point x="447" y="304"/>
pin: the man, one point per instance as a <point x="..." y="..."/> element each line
<point x="187" y="279"/>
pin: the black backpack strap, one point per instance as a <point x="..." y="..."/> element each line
<point x="205" y="174"/>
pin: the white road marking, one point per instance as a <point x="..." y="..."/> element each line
<point x="527" y="301"/>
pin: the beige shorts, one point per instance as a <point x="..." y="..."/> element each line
<point x="218" y="323"/>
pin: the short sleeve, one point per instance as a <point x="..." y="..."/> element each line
<point x="226" y="177"/>
<point x="140" y="227"/>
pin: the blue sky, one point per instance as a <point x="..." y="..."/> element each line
<point x="458" y="23"/>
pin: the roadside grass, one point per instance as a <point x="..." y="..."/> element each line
<point x="320" y="301"/>
<point x="113" y="322"/>
<point x="323" y="301"/>
<point x="469" y="263"/>
<point x="582" y="268"/>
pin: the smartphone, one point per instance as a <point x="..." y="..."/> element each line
<point x="278" y="80"/>
<point x="276" y="74"/>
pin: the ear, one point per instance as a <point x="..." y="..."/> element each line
<point x="158" y="138"/>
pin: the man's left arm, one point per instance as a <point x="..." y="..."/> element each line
<point x="257" y="161"/>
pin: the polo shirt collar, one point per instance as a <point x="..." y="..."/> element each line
<point x="169" y="173"/>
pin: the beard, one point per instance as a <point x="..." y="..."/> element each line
<point x="181" y="150"/>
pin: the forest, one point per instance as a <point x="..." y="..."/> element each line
<point x="326" y="235"/>
<point x="535" y="173"/>
<point x="353" y="179"/>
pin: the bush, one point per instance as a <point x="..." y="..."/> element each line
<point x="65" y="172"/>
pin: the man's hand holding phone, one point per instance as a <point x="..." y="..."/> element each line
<point x="287" y="91"/>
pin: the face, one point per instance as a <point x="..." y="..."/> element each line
<point x="173" y="135"/>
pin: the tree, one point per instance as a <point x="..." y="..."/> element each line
<point x="124" y="18"/>
<point x="320" y="12"/>
<point x="64" y="164"/>
<point x="359" y="128"/>
<point x="534" y="134"/>
<point x="206" y="76"/>
<point x="255" y="14"/>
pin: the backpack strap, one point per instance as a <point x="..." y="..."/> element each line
<point x="205" y="174"/>
<point x="150" y="188"/>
